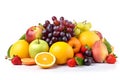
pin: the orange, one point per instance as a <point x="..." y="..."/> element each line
<point x="75" y="44"/>
<point x="28" y="61"/>
<point x="20" y="48"/>
<point x="62" y="52"/>
<point x="45" y="59"/>
<point x="88" y="38"/>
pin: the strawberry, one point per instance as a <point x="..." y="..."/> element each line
<point x="79" y="55"/>
<point x="71" y="62"/>
<point x="16" y="60"/>
<point x="84" y="48"/>
<point x="111" y="59"/>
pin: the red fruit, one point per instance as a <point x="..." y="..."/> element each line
<point x="79" y="55"/>
<point x="84" y="48"/>
<point x="16" y="60"/>
<point x="71" y="62"/>
<point x="56" y="22"/>
<point x="111" y="59"/>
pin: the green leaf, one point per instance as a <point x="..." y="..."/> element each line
<point x="22" y="37"/>
<point x="79" y="61"/>
<point x="108" y="45"/>
<point x="87" y="47"/>
<point x="8" y="51"/>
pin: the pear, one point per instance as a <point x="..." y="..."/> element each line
<point x="99" y="51"/>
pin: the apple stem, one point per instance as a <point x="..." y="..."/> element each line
<point x="38" y="41"/>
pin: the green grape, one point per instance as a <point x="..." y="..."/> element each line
<point x="80" y="25"/>
<point x="87" y="26"/>
<point x="77" y="31"/>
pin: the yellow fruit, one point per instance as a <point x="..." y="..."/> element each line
<point x="88" y="37"/>
<point x="62" y="52"/>
<point x="20" y="48"/>
<point x="45" y="59"/>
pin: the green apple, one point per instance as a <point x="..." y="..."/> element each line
<point x="37" y="46"/>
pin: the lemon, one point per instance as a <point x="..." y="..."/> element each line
<point x="88" y="38"/>
<point x="45" y="59"/>
<point x="20" y="48"/>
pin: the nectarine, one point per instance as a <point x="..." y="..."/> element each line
<point x="75" y="43"/>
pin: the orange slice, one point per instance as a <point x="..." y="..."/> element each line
<point x="28" y="61"/>
<point x="45" y="59"/>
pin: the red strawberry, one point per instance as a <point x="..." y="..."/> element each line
<point x="84" y="48"/>
<point x="79" y="55"/>
<point x="16" y="60"/>
<point x="71" y="62"/>
<point x="111" y="59"/>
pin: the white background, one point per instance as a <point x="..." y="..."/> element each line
<point x="16" y="16"/>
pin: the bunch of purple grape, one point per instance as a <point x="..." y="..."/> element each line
<point x="59" y="30"/>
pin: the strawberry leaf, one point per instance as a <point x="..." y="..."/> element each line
<point x="79" y="61"/>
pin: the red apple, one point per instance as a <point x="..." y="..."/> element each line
<point x="33" y="33"/>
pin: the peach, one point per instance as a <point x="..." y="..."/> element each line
<point x="99" y="51"/>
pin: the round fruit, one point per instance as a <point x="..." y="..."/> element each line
<point x="88" y="38"/>
<point x="37" y="46"/>
<point x="20" y="48"/>
<point x="45" y="59"/>
<point x="62" y="52"/>
<point x="75" y="44"/>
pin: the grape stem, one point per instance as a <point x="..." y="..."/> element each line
<point x="84" y="22"/>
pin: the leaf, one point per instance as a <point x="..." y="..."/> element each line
<point x="8" y="51"/>
<point x="108" y="45"/>
<point x="22" y="37"/>
<point x="79" y="61"/>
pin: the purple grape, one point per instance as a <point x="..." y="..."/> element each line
<point x="61" y="18"/>
<point x="72" y="26"/>
<point x="43" y="37"/>
<point x="47" y="22"/>
<point x="56" y="22"/>
<point x="88" y="53"/>
<point x="69" y="30"/>
<point x="50" y="35"/>
<point x="44" y="25"/>
<point x="64" y="38"/>
<point x="62" y="34"/>
<point x="49" y="28"/>
<point x="56" y="33"/>
<point x="54" y="39"/>
<point x="87" y="61"/>
<point x="44" y="32"/>
<point x="59" y="38"/>
<point x="50" y="43"/>
<point x="54" y="18"/>
<point x="68" y="35"/>
<point x="55" y="28"/>
<point x="61" y="27"/>
<point x="47" y="40"/>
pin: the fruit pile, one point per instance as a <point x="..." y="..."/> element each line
<point x="61" y="42"/>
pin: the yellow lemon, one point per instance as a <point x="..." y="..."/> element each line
<point x="45" y="59"/>
<point x="88" y="38"/>
<point x="62" y="52"/>
<point x="20" y="48"/>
